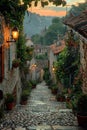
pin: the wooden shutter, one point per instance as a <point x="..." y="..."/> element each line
<point x="1" y="63"/>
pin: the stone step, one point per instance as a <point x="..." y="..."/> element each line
<point x="56" y="127"/>
<point x="20" y="128"/>
<point x="66" y="128"/>
<point x="47" y="127"/>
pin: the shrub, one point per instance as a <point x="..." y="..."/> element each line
<point x="25" y="95"/>
<point x="82" y="104"/>
<point x="9" y="98"/>
<point x="15" y="63"/>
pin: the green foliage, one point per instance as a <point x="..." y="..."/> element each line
<point x="46" y="75"/>
<point x="33" y="82"/>
<point x="26" y="69"/>
<point x="16" y="62"/>
<point x="41" y="56"/>
<point x="67" y="65"/>
<point x="14" y="11"/>
<point x="54" y="87"/>
<point x="1" y="113"/>
<point x="50" y="34"/>
<point x="21" y="49"/>
<point x="82" y="104"/>
<point x="60" y="97"/>
<point x="49" y="83"/>
<point x="60" y="65"/>
<point x="9" y="98"/>
<point x="56" y="20"/>
<point x="27" y="85"/>
<point x="25" y="95"/>
<point x="29" y="52"/>
<point x="78" y="9"/>
<point x="36" y="39"/>
<point x="53" y="31"/>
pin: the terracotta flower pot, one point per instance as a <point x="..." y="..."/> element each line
<point x="24" y="102"/>
<point x="15" y="65"/>
<point x="54" y="91"/>
<point x="10" y="106"/>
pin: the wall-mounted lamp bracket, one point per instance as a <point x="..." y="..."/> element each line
<point x="14" y="36"/>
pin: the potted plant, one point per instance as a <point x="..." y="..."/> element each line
<point x="82" y="110"/>
<point x="60" y="97"/>
<point x="34" y="83"/>
<point x="1" y="113"/>
<point x="15" y="63"/>
<point x="9" y="101"/>
<point x="24" y="97"/>
<point x="54" y="89"/>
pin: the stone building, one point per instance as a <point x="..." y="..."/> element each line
<point x="9" y="77"/>
<point x="78" y="25"/>
<point x="54" y="51"/>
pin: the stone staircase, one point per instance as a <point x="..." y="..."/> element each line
<point x="42" y="112"/>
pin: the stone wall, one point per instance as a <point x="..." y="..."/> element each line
<point x="83" y="60"/>
<point x="11" y="82"/>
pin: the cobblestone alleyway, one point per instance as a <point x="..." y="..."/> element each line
<point x="42" y="112"/>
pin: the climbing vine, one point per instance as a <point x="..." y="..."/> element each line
<point x="67" y="65"/>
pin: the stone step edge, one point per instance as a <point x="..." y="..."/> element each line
<point x="55" y="127"/>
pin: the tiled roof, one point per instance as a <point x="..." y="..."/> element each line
<point x="78" y="23"/>
<point x="56" y="49"/>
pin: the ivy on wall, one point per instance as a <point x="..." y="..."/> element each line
<point x="14" y="12"/>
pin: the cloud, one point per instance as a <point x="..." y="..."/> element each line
<point x="49" y="12"/>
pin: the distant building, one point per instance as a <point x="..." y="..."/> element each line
<point x="54" y="51"/>
<point x="29" y="43"/>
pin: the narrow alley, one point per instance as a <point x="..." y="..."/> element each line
<point x="42" y="112"/>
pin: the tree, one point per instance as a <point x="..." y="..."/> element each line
<point x="51" y="34"/>
<point x="76" y="10"/>
<point x="56" y="20"/>
<point x="14" y="10"/>
<point x="21" y="49"/>
<point x="67" y="66"/>
<point x="36" y="39"/>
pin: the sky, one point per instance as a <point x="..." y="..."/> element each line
<point x="54" y="10"/>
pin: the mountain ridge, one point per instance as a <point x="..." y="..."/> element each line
<point x="34" y="23"/>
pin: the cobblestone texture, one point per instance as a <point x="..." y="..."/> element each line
<point x="42" y="112"/>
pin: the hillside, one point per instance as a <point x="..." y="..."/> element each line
<point x="34" y="23"/>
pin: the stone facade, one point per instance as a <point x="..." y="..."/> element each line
<point x="83" y="60"/>
<point x="54" y="51"/>
<point x="52" y="59"/>
<point x="79" y="26"/>
<point x="10" y="81"/>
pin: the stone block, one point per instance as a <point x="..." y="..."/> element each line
<point x="20" y="128"/>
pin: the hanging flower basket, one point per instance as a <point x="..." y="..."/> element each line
<point x="15" y="63"/>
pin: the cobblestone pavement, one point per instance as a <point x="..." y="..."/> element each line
<point x="42" y="112"/>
